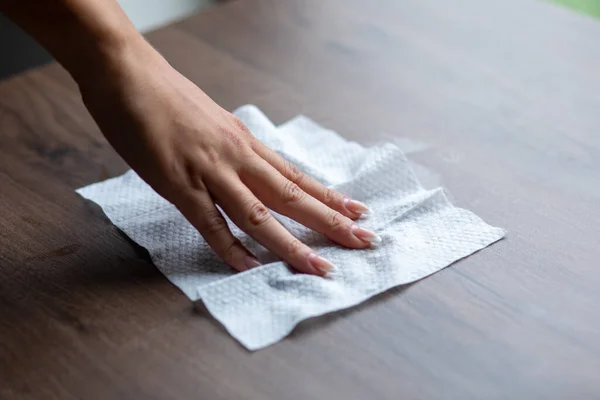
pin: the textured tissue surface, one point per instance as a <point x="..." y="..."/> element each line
<point x="421" y="231"/>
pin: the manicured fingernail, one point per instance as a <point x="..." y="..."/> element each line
<point x="321" y="264"/>
<point x="356" y="207"/>
<point x="366" y="235"/>
<point x="251" y="262"/>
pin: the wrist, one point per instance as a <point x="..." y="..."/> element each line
<point x="110" y="57"/>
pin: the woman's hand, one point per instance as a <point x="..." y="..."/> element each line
<point x="185" y="146"/>
<point x="197" y="156"/>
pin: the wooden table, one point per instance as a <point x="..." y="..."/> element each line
<point x="506" y="94"/>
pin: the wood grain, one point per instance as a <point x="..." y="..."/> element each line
<point x="504" y="94"/>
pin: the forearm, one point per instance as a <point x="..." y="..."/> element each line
<point x="88" y="37"/>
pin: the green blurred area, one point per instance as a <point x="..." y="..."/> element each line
<point x="591" y="7"/>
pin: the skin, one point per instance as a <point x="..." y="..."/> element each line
<point x="189" y="149"/>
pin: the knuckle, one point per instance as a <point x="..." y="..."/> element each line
<point x="292" y="193"/>
<point x="194" y="177"/>
<point x="294" y="246"/>
<point x="292" y="172"/>
<point x="212" y="155"/>
<point x="228" y="251"/>
<point x="329" y="196"/>
<point x="240" y="125"/>
<point x="233" y="140"/>
<point x="336" y="221"/>
<point x="258" y="215"/>
<point x="213" y="223"/>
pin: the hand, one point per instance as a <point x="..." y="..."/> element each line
<point x="196" y="155"/>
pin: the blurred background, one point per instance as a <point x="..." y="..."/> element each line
<point x="18" y="52"/>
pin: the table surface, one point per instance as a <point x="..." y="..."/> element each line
<point x="505" y="95"/>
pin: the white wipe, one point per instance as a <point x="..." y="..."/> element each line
<point x="421" y="231"/>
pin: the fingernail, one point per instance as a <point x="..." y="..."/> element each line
<point x="356" y="207"/>
<point x="321" y="264"/>
<point x="366" y="235"/>
<point x="251" y="262"/>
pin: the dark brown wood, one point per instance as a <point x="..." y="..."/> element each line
<point x="506" y="96"/>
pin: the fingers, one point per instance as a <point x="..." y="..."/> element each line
<point x="251" y="216"/>
<point x="287" y="198"/>
<point x="337" y="201"/>
<point x="202" y="213"/>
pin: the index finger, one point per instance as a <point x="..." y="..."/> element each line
<point x="343" y="204"/>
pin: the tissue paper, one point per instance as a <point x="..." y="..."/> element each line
<point x="422" y="233"/>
